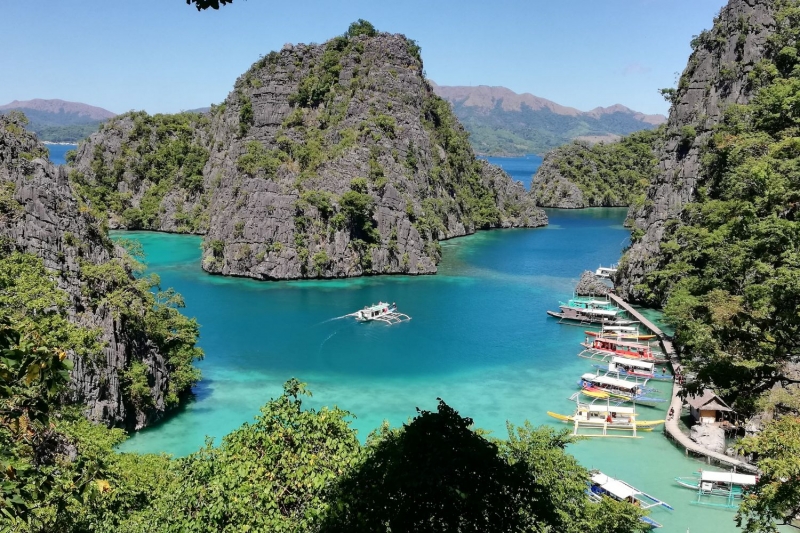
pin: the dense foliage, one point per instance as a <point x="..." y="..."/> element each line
<point x="502" y="132"/>
<point x="607" y="174"/>
<point x="729" y="268"/>
<point x="160" y="155"/>
<point x="297" y="470"/>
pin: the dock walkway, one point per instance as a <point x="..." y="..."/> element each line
<point x="671" y="426"/>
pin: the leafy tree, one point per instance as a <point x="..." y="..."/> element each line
<point x="361" y="27"/>
<point x="271" y="475"/>
<point x="776" y="497"/>
<point x="438" y="474"/>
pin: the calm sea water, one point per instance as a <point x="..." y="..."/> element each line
<point x="520" y="168"/>
<point x="479" y="339"/>
<point x="58" y="152"/>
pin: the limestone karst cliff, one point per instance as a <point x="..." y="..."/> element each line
<point x="42" y="216"/>
<point x="330" y="160"/>
<point x="716" y="76"/>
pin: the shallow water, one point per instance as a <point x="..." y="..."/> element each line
<point x="479" y="338"/>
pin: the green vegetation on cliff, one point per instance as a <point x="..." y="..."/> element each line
<point x="728" y="273"/>
<point x="159" y="156"/>
<point x="606" y="174"/>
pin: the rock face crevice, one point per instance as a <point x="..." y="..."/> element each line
<point x="328" y="161"/>
<point x="715" y="77"/>
<point x="52" y="226"/>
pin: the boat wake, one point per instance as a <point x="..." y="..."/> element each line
<point x="322" y="344"/>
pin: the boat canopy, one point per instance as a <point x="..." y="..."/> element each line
<point x="728" y="477"/>
<point x="621" y="329"/>
<point x="601" y="408"/>
<point x="612" y="382"/>
<point x="643" y="365"/>
<point x="628" y="344"/>
<point x="615" y="487"/>
<point x="592" y="311"/>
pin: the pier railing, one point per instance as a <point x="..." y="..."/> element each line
<point x="671" y="428"/>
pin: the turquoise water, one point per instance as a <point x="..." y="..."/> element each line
<point x="479" y="338"/>
<point x="58" y="152"/>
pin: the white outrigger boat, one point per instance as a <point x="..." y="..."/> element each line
<point x="727" y="487"/>
<point x="603" y="485"/>
<point x="619" y="390"/>
<point x="382" y="312"/>
<point x="605" y="417"/>
<point x="635" y="368"/>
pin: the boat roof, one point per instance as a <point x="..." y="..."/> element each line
<point x="378" y="306"/>
<point x="632" y="362"/>
<point x="605" y="408"/>
<point x="728" y="477"/>
<point x="593" y="311"/>
<point x="629" y="344"/>
<point x="629" y="329"/>
<point x="607" y="380"/>
<point x="615" y="487"/>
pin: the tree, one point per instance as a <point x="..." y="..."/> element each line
<point x="438" y="474"/>
<point x="776" y="497"/>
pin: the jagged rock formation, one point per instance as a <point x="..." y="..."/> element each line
<point x="50" y="223"/>
<point x="330" y="160"/>
<point x="716" y="76"/>
<point x="590" y="285"/>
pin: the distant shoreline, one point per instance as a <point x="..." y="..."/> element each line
<point x="62" y="144"/>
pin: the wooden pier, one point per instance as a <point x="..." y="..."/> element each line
<point x="671" y="428"/>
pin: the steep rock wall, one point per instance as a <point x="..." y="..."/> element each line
<point x="716" y="76"/>
<point x="330" y="160"/>
<point x="53" y="226"/>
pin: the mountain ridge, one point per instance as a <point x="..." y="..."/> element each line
<point x="56" y="106"/>
<point x="502" y="122"/>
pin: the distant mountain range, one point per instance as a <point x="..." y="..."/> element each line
<point x="501" y="121"/>
<point x="59" y="120"/>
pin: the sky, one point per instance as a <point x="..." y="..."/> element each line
<point x="164" y="56"/>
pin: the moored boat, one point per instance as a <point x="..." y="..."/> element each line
<point x="718" y="489"/>
<point x="628" y="333"/>
<point x="635" y="368"/>
<point x="591" y="316"/>
<point x="603" y="485"/>
<point x="603" y="349"/>
<point x="630" y="391"/>
<point x="605" y="417"/>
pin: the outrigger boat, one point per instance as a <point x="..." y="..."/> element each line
<point x="591" y="311"/>
<point x="625" y="333"/>
<point x="382" y="312"/>
<point x="603" y="485"/>
<point x="634" y="368"/>
<point x="598" y="386"/>
<point x="589" y="303"/>
<point x="727" y="487"/>
<point x="603" y="349"/>
<point x="605" y="417"/>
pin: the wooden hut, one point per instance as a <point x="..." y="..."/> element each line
<point x="708" y="408"/>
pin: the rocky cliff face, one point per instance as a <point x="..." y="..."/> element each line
<point x="716" y="76"/>
<point x="52" y="225"/>
<point x="332" y="160"/>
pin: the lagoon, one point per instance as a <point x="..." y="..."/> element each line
<point x="479" y="339"/>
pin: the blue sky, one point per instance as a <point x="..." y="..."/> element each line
<point x="165" y="56"/>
